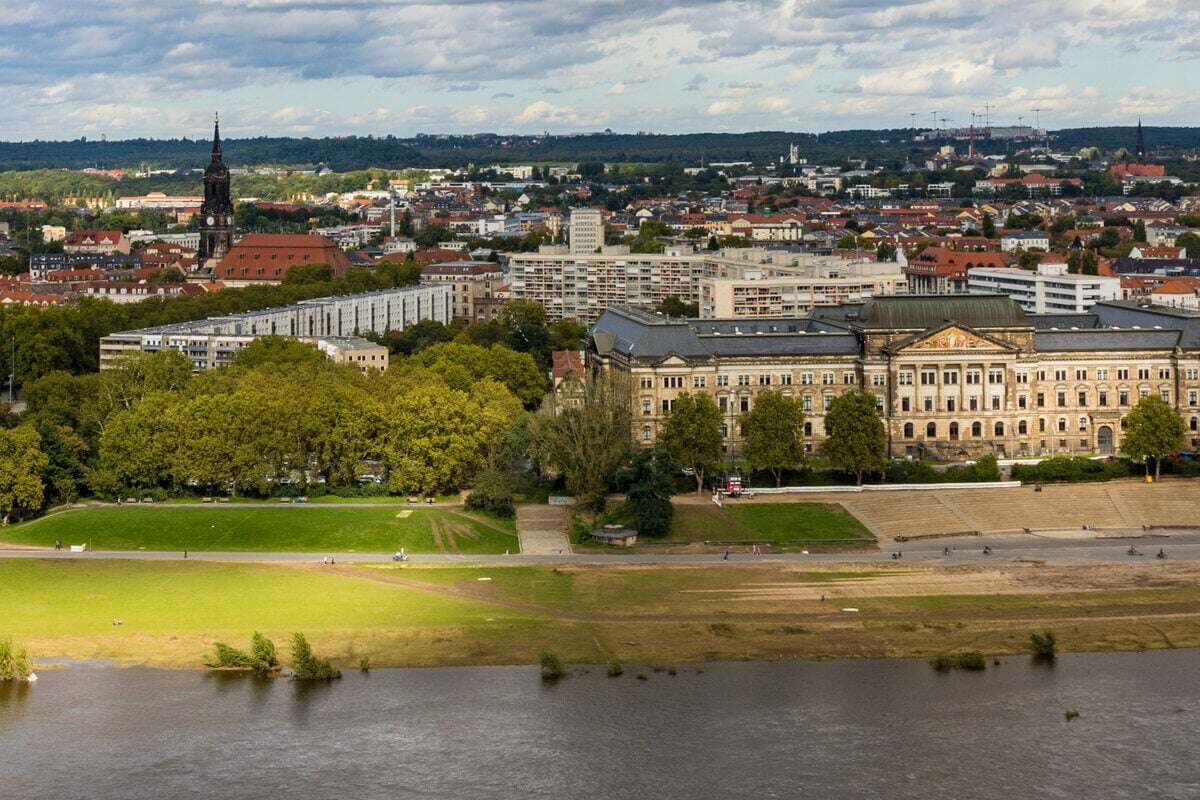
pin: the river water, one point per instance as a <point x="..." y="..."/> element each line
<point x="839" y="729"/>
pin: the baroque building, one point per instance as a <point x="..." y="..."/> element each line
<point x="216" y="212"/>
<point x="953" y="376"/>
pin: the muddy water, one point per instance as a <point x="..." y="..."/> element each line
<point x="846" y="729"/>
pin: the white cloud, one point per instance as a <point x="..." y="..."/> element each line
<point x="616" y="88"/>
<point x="721" y="108"/>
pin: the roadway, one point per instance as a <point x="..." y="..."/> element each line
<point x="1179" y="546"/>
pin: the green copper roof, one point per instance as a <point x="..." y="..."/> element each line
<point x="919" y="312"/>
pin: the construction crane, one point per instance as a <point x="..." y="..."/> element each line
<point x="987" y="115"/>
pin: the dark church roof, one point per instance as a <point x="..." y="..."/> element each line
<point x="919" y="312"/>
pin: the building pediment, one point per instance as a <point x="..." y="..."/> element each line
<point x="951" y="337"/>
<point x="673" y="360"/>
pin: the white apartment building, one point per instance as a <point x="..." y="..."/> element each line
<point x="825" y="283"/>
<point x="1049" y="290"/>
<point x="587" y="230"/>
<point x="582" y="286"/>
<point x="214" y="342"/>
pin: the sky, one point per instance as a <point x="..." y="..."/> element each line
<point x="129" y="68"/>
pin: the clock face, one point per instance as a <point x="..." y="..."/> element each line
<point x="211" y="219"/>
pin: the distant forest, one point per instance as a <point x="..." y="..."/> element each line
<point x="360" y="152"/>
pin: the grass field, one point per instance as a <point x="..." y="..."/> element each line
<point x="270" y="528"/>
<point x="173" y="611"/>
<point x="774" y="522"/>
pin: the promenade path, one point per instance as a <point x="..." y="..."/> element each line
<point x="543" y="529"/>
<point x="1115" y="505"/>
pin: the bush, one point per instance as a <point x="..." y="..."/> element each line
<point x="492" y="493"/>
<point x="15" y="663"/>
<point x="262" y="657"/>
<point x="615" y="668"/>
<point x="552" y="667"/>
<point x="1071" y="469"/>
<point x="1043" y="645"/>
<point x="306" y="666"/>
<point x="968" y="660"/>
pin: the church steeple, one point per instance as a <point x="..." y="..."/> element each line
<point x="216" y="212"/>
<point x="216" y="148"/>
<point x="1140" y="147"/>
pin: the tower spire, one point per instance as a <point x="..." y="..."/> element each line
<point x="1140" y="146"/>
<point x="216" y="148"/>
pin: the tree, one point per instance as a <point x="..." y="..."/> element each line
<point x="988" y="225"/>
<point x="854" y="435"/>
<point x="1190" y="242"/>
<point x="885" y="251"/>
<point x="651" y="483"/>
<point x="308" y="273"/>
<point x="1139" y="231"/>
<point x="279" y="351"/>
<point x="22" y="463"/>
<point x="586" y="441"/>
<point x="1152" y="430"/>
<point x="672" y="306"/>
<point x="773" y="433"/>
<point x="691" y="435"/>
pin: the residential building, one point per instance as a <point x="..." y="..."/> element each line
<point x="1025" y="240"/>
<point x="1051" y="289"/>
<point x="366" y="355"/>
<point x="829" y="283"/>
<point x="953" y="376"/>
<point x="587" y="230"/>
<point x="96" y="242"/>
<point x="268" y="257"/>
<point x="214" y="342"/>
<point x="473" y="283"/>
<point x="940" y="270"/>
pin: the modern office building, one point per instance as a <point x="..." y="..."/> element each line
<point x="587" y="230"/>
<point x="214" y="342"/>
<point x="953" y="376"/>
<point x="1049" y="290"/>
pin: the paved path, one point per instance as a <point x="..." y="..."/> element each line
<point x="964" y="550"/>
<point x="543" y="529"/>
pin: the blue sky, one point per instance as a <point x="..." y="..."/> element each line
<point x="328" y="67"/>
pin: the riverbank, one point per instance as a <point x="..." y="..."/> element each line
<point x="168" y="614"/>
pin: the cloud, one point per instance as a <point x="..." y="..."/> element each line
<point x="543" y="111"/>
<point x="852" y="62"/>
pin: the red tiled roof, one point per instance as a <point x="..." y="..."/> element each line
<point x="269" y="256"/>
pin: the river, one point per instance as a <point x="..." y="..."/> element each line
<point x="837" y="729"/>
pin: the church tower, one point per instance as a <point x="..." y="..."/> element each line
<point x="1139" y="147"/>
<point x="216" y="214"/>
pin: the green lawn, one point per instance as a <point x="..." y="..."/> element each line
<point x="776" y="522"/>
<point x="270" y="528"/>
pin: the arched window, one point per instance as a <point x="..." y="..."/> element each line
<point x="908" y="428"/>
<point x="953" y="430"/>
<point x="1022" y="427"/>
<point x="976" y="429"/>
<point x="1062" y="424"/>
<point x="999" y="429"/>
<point x="808" y="429"/>
<point x="931" y="430"/>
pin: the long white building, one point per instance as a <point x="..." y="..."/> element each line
<point x="215" y="341"/>
<point x="1049" y="290"/>
<point x="583" y="285"/>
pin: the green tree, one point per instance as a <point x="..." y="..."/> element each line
<point x="651" y="477"/>
<point x="1190" y="242"/>
<point x="138" y="445"/>
<point x="586" y="441"/>
<point x="22" y="463"/>
<point x="279" y="351"/>
<point x="1152" y="430"/>
<point x="1139" y="231"/>
<point x="308" y="274"/>
<point x="854" y="435"/>
<point x="691" y="435"/>
<point x="988" y="225"/>
<point x="773" y="433"/>
<point x="672" y="306"/>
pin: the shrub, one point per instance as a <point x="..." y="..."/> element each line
<point x="306" y="666"/>
<point x="615" y="669"/>
<point x="492" y="493"/>
<point x="263" y="650"/>
<point x="1070" y="469"/>
<point x="226" y="657"/>
<point x="15" y="663"/>
<point x="968" y="660"/>
<point x="1043" y="645"/>
<point x="552" y="667"/>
